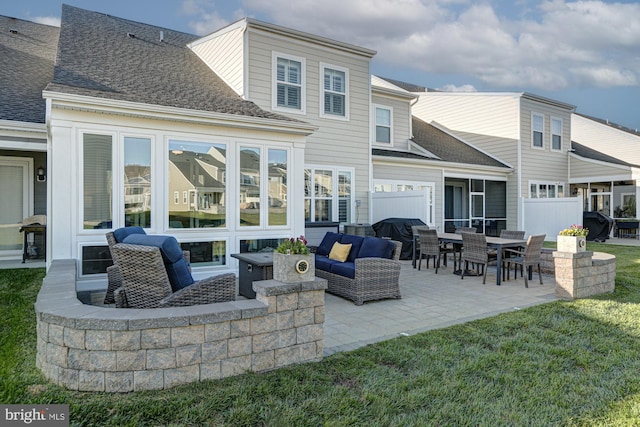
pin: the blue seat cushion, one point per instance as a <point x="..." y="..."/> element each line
<point x="324" y="263"/>
<point x="356" y="243"/>
<point x="374" y="247"/>
<point x="121" y="233"/>
<point x="327" y="243"/>
<point x="174" y="262"/>
<point x="345" y="269"/>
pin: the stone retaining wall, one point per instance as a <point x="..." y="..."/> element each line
<point x="583" y="274"/>
<point x="92" y="348"/>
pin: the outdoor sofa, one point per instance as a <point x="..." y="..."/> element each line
<point x="370" y="271"/>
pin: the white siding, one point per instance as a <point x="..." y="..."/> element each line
<point x="603" y="138"/>
<point x="588" y="170"/>
<point x="224" y="55"/>
<point x="336" y="142"/>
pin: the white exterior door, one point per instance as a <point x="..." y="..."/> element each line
<point x="16" y="189"/>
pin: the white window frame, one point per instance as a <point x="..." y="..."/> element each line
<point x="335" y="197"/>
<point x="555" y="184"/>
<point x="374" y="132"/>
<point x="534" y="130"/>
<point x="323" y="67"/>
<point x="176" y="197"/>
<point x="552" y="134"/>
<point x="302" y="85"/>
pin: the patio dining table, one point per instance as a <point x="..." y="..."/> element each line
<point x="492" y="242"/>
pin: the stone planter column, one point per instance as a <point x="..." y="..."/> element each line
<point x="583" y="274"/>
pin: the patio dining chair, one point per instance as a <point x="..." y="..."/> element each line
<point x="430" y="247"/>
<point x="475" y="252"/>
<point x="457" y="248"/>
<point x="525" y="259"/>
<point x="506" y="234"/>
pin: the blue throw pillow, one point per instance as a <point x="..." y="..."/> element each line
<point x="356" y="243"/>
<point x="122" y="233"/>
<point x="174" y="262"/>
<point x="327" y="243"/>
<point x="373" y="247"/>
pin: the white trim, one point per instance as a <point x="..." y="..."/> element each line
<point x="551" y="134"/>
<point x="335" y="198"/>
<point x="555" y="184"/>
<point x="374" y="127"/>
<point x="185" y="115"/>
<point x="274" y="83"/>
<point x="533" y="130"/>
<point x="325" y="66"/>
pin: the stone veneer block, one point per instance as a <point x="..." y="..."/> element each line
<point x="311" y="299"/>
<point x="91" y="381"/>
<point x="73" y="338"/>
<point x="97" y="340"/>
<point x="310" y="333"/>
<point x="214" y="351"/>
<point x="240" y="328"/>
<point x="583" y="274"/>
<point x="210" y="371"/>
<point x="181" y="336"/>
<point x="161" y="358"/>
<point x="287" y="302"/>
<point x="130" y="360"/>
<point x="304" y="316"/>
<point x="181" y="376"/>
<point x="217" y="331"/>
<point x="56" y="334"/>
<point x="319" y="314"/>
<point x="264" y="324"/>
<point x="263" y="361"/>
<point x="235" y="366"/>
<point x="120" y="382"/>
<point x="148" y="380"/>
<point x="287" y="356"/>
<point x="155" y="338"/>
<point x="57" y="355"/>
<point x="239" y="346"/>
<point x="69" y="378"/>
<point x="284" y="320"/>
<point x="126" y="340"/>
<point x="188" y="355"/>
<point x="102" y="360"/>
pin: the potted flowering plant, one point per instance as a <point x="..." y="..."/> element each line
<point x="293" y="262"/>
<point x="573" y="239"/>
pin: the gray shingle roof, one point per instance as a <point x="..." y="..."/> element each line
<point x="108" y="57"/>
<point x="443" y="145"/>
<point x="590" y="153"/>
<point x="27" y="52"/>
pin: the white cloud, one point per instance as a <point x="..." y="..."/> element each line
<point x="47" y="20"/>
<point x="539" y="44"/>
<point x="454" y="88"/>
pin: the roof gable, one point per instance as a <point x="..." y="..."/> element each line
<point x="108" y="57"/>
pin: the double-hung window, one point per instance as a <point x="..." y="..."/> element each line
<point x="383" y="123"/>
<point x="537" y="130"/>
<point x="288" y="83"/>
<point x="334" y="90"/>
<point x="556" y="134"/>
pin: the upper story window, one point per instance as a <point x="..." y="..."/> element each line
<point x="383" y="123"/>
<point x="288" y="83"/>
<point x="334" y="91"/>
<point x="537" y="130"/>
<point x="556" y="134"/>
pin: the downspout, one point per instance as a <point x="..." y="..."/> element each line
<point x="520" y="217"/>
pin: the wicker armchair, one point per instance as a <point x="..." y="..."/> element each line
<point x="528" y="258"/>
<point x="114" y="277"/>
<point x="145" y="283"/>
<point x="475" y="251"/>
<point x="506" y="234"/>
<point x="375" y="278"/>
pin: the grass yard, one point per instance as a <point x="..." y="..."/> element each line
<point x="563" y="363"/>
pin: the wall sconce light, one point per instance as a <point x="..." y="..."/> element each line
<point x="41" y="177"/>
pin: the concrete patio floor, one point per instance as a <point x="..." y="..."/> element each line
<point x="429" y="301"/>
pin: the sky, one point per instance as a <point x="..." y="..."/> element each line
<point x="584" y="53"/>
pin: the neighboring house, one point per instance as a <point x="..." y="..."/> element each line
<point x="28" y="51"/>
<point x="605" y="166"/>
<point x="529" y="133"/>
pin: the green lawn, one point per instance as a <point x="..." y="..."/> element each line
<point x="562" y="363"/>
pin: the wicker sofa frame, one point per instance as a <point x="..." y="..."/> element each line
<point x="375" y="278"/>
<point x="145" y="283"/>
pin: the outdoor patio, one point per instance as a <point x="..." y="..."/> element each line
<point x="429" y="301"/>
